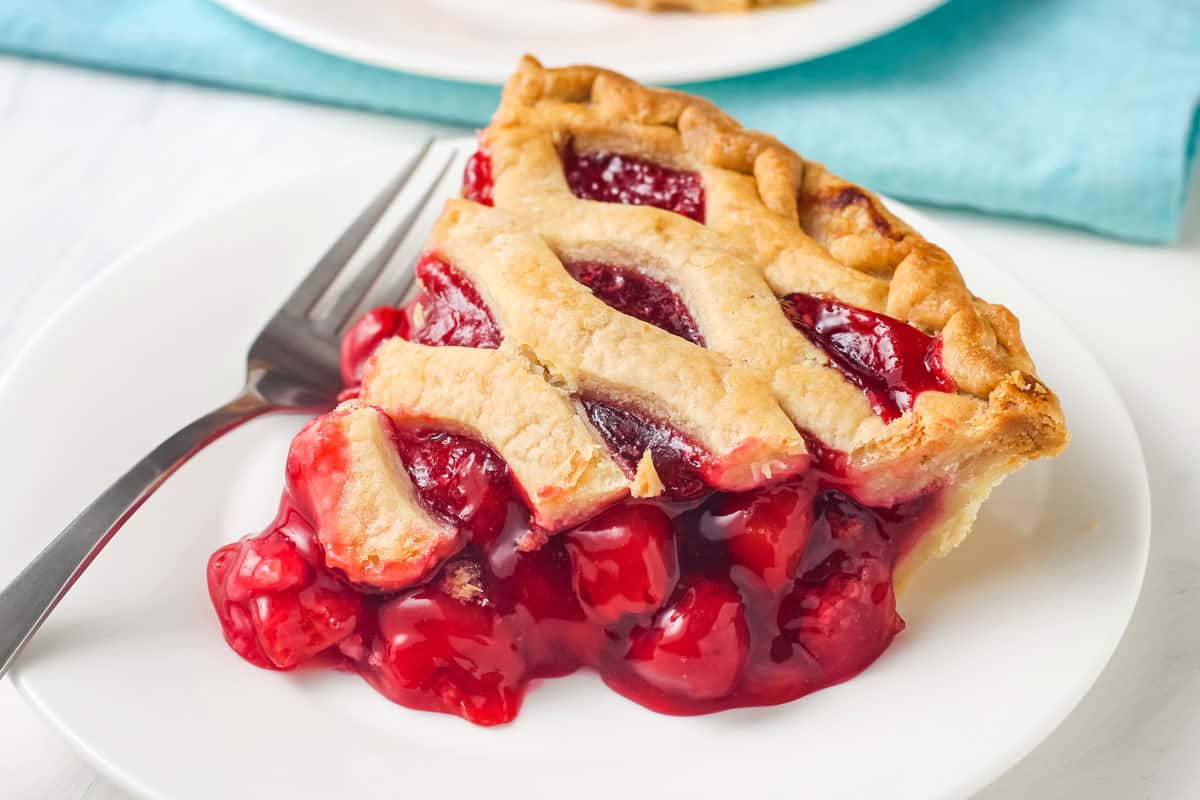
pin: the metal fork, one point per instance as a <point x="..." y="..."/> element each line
<point x="291" y="366"/>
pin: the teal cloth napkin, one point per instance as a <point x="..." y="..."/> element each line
<point x="1082" y="112"/>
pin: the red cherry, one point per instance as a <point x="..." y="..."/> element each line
<point x="293" y="626"/>
<point x="540" y="584"/>
<point x="477" y="178"/>
<point x="623" y="562"/>
<point x="630" y="433"/>
<point x="697" y="646"/>
<point x="235" y="619"/>
<point x="435" y="652"/>
<point x="842" y="612"/>
<point x="764" y="531"/>
<point x="277" y="610"/>
<point x="365" y="336"/>
<point x="891" y="361"/>
<point x="449" y="310"/>
<point x="269" y="563"/>
<point x="535" y="589"/>
<point x="459" y="478"/>
<point x="619" y="178"/>
<point x="638" y="295"/>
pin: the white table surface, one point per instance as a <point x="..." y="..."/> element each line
<point x="91" y="164"/>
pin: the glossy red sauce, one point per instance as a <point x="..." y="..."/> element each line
<point x="607" y="177"/>
<point x="729" y="600"/>
<point x="638" y="295"/>
<point x="629" y="434"/>
<point x="458" y="479"/>
<point x="691" y="603"/>
<point x="892" y="362"/>
<point x="477" y="178"/>
<point x="620" y="178"/>
<point x="447" y="310"/>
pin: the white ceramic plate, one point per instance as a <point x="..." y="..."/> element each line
<point x="481" y="40"/>
<point x="1004" y="638"/>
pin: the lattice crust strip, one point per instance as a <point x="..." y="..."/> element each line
<point x="776" y="224"/>
<point x="561" y="342"/>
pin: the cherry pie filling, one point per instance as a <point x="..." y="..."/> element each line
<point x="892" y="362"/>
<point x="693" y="602"/>
<point x="608" y="178"/>
<point x="622" y="178"/>
<point x="477" y="178"/>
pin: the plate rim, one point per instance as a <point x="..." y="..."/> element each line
<point x="432" y="66"/>
<point x="1140" y="494"/>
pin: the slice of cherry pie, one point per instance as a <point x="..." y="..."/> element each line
<point x="671" y="402"/>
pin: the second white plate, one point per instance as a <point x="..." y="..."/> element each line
<point x="1004" y="637"/>
<point x="481" y="40"/>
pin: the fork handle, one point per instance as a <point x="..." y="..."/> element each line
<point x="33" y="594"/>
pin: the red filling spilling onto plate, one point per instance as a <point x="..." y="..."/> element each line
<point x="694" y="602"/>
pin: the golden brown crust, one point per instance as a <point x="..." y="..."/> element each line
<point x="371" y="526"/>
<point x="799" y="228"/>
<point x="563" y="468"/>
<point x="585" y="347"/>
<point x="463" y="580"/>
<point x="775" y="224"/>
